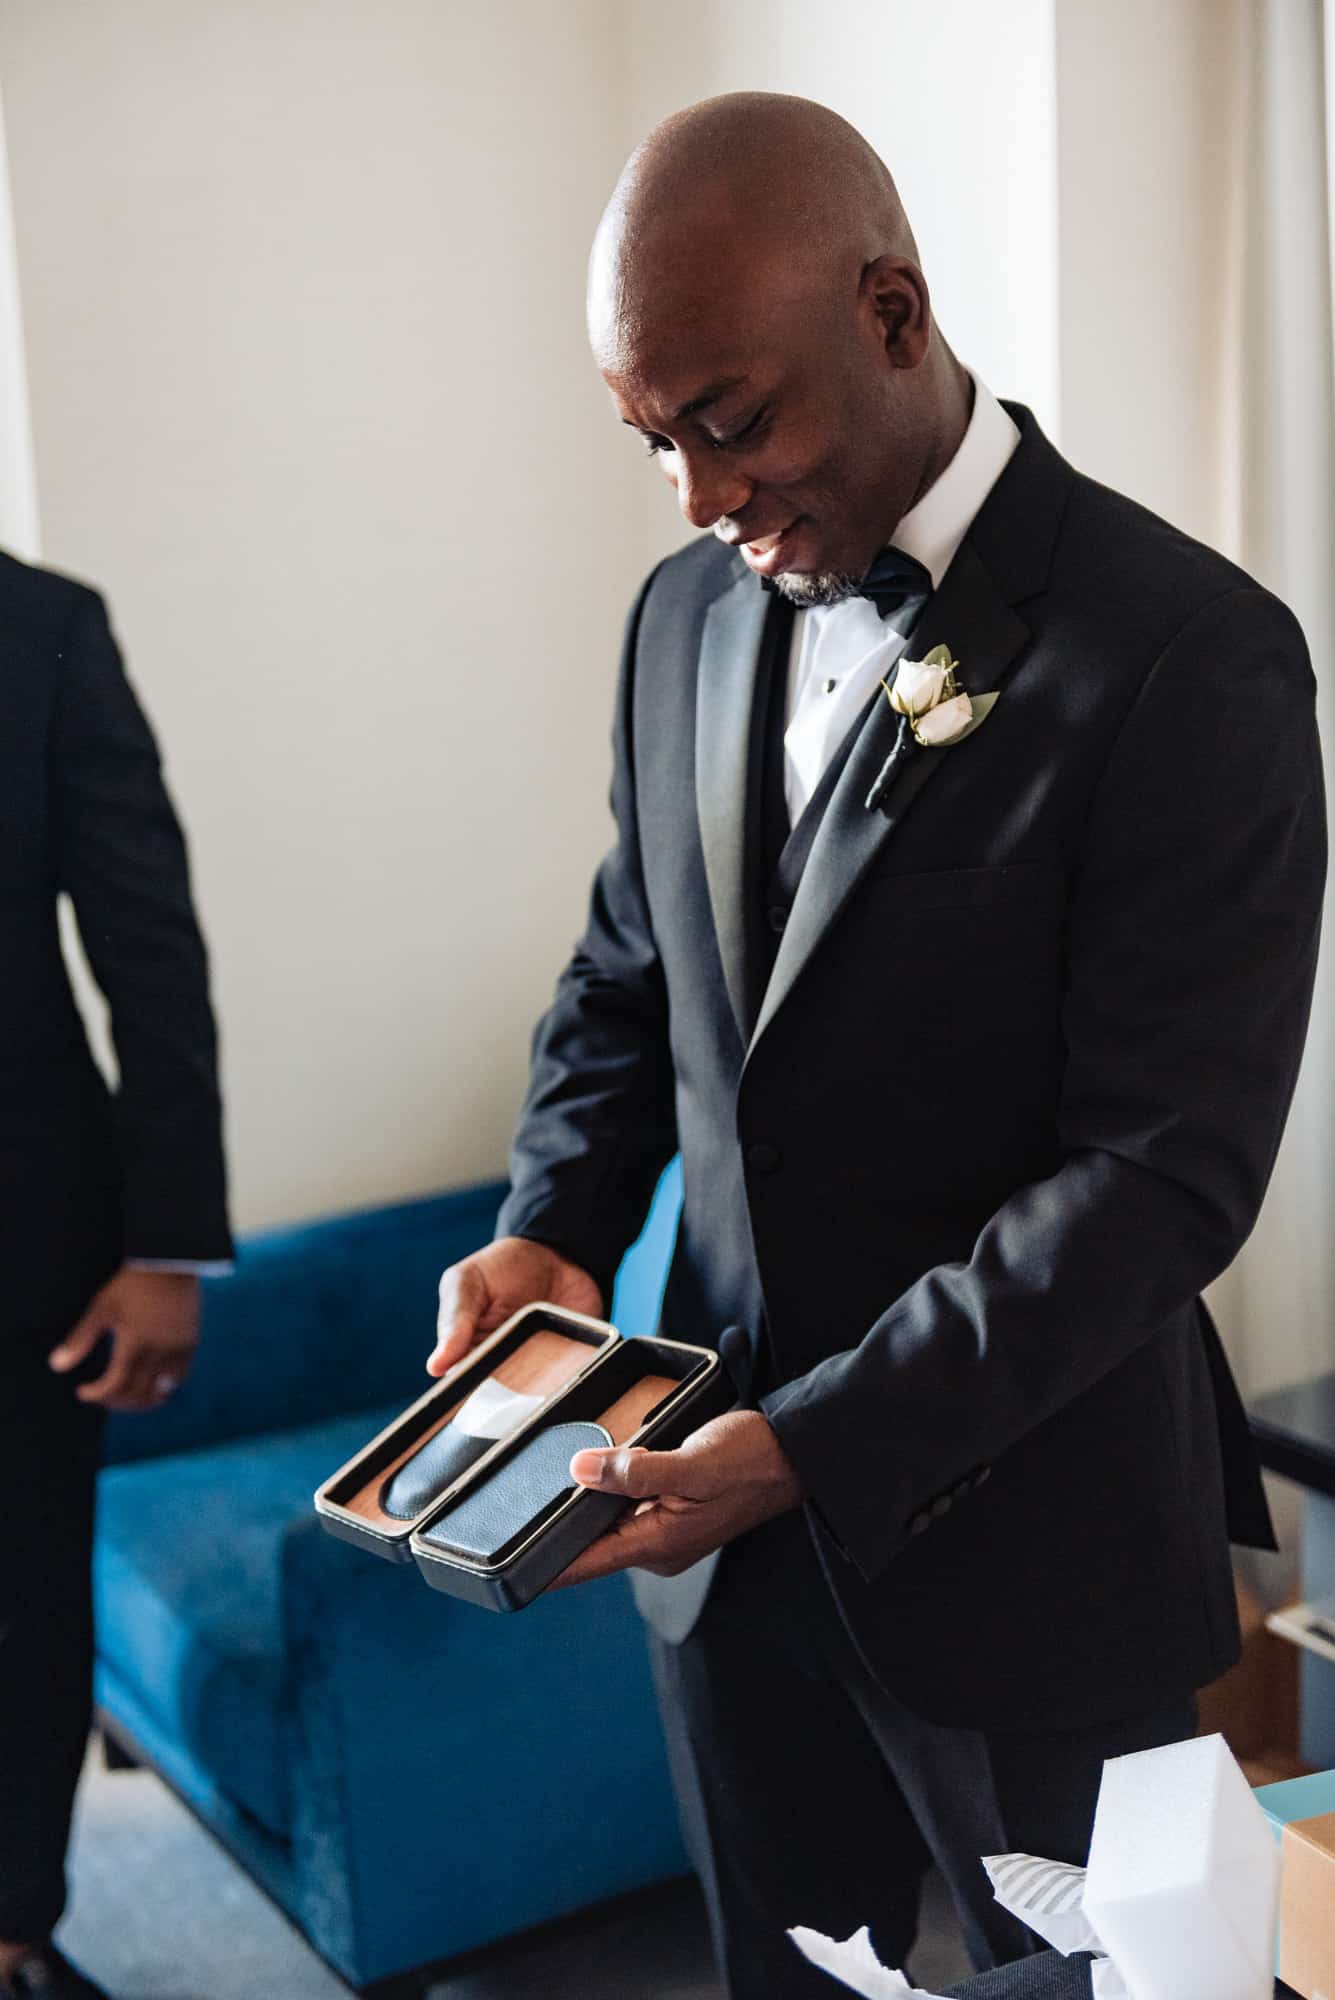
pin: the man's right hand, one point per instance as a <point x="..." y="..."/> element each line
<point x="480" y="1292"/>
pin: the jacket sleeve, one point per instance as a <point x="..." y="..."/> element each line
<point x="598" y="1122"/>
<point x="1192" y="944"/>
<point x="120" y="855"/>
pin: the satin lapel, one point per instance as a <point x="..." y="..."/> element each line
<point x="969" y="614"/>
<point x="725" y="693"/>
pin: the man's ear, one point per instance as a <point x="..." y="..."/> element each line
<point x="896" y="292"/>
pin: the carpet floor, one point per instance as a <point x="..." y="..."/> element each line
<point x="158" y="1911"/>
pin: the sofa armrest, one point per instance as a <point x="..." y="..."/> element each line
<point x="470" y="1773"/>
<point x="317" y="1320"/>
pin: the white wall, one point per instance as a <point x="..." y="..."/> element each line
<point x="1146" y="168"/>
<point x="303" y="291"/>
<point x="302" y="283"/>
<point x="19" y="528"/>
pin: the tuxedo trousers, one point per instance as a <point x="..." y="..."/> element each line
<point x="810" y="1795"/>
<point x="49" y="1446"/>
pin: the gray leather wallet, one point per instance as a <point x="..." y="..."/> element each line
<point x="508" y="1504"/>
<point x="425" y="1476"/>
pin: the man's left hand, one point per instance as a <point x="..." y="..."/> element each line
<point x="729" y="1476"/>
<point x="153" y="1320"/>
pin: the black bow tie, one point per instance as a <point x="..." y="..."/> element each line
<point x="892" y="579"/>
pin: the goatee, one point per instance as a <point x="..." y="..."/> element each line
<point x="807" y="588"/>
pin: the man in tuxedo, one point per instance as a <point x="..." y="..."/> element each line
<point x="110" y="1205"/>
<point x="977" y="1051"/>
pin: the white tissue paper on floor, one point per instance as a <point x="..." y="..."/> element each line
<point x="856" y="1964"/>
<point x="1049" y="1896"/>
<point x="1180" y="1898"/>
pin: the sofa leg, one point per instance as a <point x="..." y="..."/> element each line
<point x="115" y="1756"/>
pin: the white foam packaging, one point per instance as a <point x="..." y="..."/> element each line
<point x="1179" y="1900"/>
<point x="1183" y="1880"/>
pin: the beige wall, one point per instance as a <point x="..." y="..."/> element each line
<point x="302" y="288"/>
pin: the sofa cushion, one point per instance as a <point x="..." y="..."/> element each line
<point x="188" y="1595"/>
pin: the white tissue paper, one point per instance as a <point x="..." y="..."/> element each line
<point x="1049" y="1896"/>
<point x="856" y="1964"/>
<point x="493" y="1411"/>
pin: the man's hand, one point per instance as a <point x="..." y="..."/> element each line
<point x="729" y="1476"/>
<point x="153" y="1320"/>
<point x="480" y="1292"/>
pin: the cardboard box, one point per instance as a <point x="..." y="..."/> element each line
<point x="1307" y="1881"/>
<point x="1307" y="1907"/>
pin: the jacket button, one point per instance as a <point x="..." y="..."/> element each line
<point x="941" y="1505"/>
<point x="762" y="1158"/>
<point x="778" y="916"/>
<point x="917" y="1522"/>
<point x="961" y="1487"/>
<point x="983" y="1474"/>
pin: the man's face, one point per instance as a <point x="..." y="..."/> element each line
<point x="779" y="419"/>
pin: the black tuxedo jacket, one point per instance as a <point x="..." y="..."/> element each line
<point x="87" y="1178"/>
<point x="960" y="1167"/>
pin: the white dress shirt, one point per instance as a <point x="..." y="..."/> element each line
<point x="840" y="652"/>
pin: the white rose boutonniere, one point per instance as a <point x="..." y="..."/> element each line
<point x="924" y="692"/>
<point x="932" y="711"/>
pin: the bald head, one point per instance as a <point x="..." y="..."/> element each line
<point x="752" y="187"/>
<point x="758" y="313"/>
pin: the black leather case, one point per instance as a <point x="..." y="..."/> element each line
<point x="501" y="1547"/>
<point x="497" y="1524"/>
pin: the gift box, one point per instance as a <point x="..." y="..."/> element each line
<point x="1301" y="1812"/>
<point x="472" y="1483"/>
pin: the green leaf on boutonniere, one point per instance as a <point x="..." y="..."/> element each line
<point x="982" y="706"/>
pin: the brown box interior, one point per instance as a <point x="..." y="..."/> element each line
<point x="533" y="1359"/>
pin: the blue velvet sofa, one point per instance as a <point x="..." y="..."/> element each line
<point x="410" y="1778"/>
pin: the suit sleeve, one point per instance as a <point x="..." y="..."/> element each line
<point x="121" y="857"/>
<point x="598" y="1122"/>
<point x="1192" y="945"/>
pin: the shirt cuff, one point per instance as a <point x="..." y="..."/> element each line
<point x="184" y="1267"/>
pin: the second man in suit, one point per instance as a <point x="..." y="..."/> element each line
<point x="110" y="1205"/>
